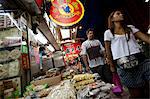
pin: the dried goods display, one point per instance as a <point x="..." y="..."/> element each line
<point x="69" y="73"/>
<point x="43" y="93"/>
<point x="11" y="88"/>
<point x="80" y="81"/>
<point x="96" y="90"/>
<point x="3" y="71"/>
<point x="9" y="63"/>
<point x="78" y="86"/>
<point x="63" y="91"/>
<point x="10" y="41"/>
<point x="10" y="52"/>
<point x="14" y="54"/>
<point x="10" y="46"/>
<point x="83" y="77"/>
<point x="3" y="55"/>
<point x="14" y="68"/>
<point x="52" y="72"/>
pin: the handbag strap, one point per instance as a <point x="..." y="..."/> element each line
<point x="127" y="39"/>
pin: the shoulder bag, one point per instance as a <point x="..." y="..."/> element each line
<point x="128" y="62"/>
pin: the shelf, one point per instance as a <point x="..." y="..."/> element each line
<point x="6" y="61"/>
<point x="9" y="77"/>
<point x="12" y="45"/>
<point x="9" y="46"/>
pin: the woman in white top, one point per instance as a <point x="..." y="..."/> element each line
<point x="120" y="43"/>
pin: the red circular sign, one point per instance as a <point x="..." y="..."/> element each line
<point x="66" y="12"/>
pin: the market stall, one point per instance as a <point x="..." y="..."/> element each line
<point x="10" y="57"/>
<point x="68" y="83"/>
<point x="65" y="82"/>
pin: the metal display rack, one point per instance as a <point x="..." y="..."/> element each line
<point x="10" y="63"/>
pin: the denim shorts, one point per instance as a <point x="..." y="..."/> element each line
<point x="135" y="77"/>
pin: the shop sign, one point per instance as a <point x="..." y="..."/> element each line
<point x="66" y="12"/>
<point x="39" y="3"/>
<point x="24" y="49"/>
<point x="71" y="50"/>
<point x="25" y="61"/>
<point x="36" y="54"/>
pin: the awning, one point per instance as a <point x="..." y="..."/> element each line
<point x="48" y="34"/>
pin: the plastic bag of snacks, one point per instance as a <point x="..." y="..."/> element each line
<point x="63" y="91"/>
<point x="118" y="88"/>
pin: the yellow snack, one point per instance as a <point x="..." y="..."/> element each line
<point x="84" y="82"/>
<point x="83" y="77"/>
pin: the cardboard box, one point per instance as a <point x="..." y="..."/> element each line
<point x="9" y="86"/>
<point x="50" y="81"/>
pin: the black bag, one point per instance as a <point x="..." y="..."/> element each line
<point x="131" y="61"/>
<point x="128" y="62"/>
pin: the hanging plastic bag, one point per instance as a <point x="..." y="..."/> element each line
<point x="118" y="88"/>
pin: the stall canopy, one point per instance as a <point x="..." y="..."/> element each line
<point x="19" y="6"/>
<point x="46" y="31"/>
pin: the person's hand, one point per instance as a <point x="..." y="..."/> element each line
<point x="107" y="61"/>
<point x="112" y="69"/>
<point x="88" y="69"/>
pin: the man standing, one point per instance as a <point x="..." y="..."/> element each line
<point x="92" y="54"/>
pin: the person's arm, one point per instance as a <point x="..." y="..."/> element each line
<point x="109" y="56"/>
<point x="84" y="56"/>
<point x="143" y="37"/>
<point x="102" y="51"/>
<point x="105" y="56"/>
<point x="85" y="60"/>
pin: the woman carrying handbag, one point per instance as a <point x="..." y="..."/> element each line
<point x="125" y="57"/>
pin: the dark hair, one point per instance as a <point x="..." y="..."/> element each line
<point x="90" y="29"/>
<point x="111" y="25"/>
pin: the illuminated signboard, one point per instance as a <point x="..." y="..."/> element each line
<point x="66" y="12"/>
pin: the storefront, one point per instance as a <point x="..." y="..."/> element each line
<point x="11" y="55"/>
<point x="40" y="53"/>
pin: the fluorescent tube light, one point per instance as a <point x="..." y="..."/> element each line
<point x="40" y="37"/>
<point x="51" y="48"/>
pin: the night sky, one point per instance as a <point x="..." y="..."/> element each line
<point x="97" y="11"/>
